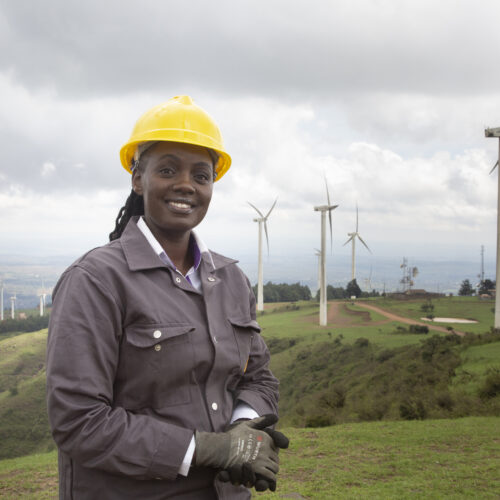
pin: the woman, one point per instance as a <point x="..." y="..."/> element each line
<point x="157" y="376"/>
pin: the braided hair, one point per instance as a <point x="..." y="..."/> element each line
<point x="135" y="202"/>
<point x="133" y="206"/>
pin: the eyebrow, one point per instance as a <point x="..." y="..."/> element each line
<point x="175" y="157"/>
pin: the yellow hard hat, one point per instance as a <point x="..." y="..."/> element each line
<point x="177" y="120"/>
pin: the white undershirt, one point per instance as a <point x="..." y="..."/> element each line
<point x="242" y="410"/>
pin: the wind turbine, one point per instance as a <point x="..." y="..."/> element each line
<point x="13" y="306"/>
<point x="322" y="287"/>
<point x="352" y="238"/>
<point x="318" y="254"/>
<point x="495" y="132"/>
<point x="262" y="220"/>
<point x="1" y="303"/>
<point x="41" y="303"/>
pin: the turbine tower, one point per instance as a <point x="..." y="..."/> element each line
<point x="262" y="220"/>
<point x="322" y="287"/>
<point x="1" y="303"/>
<point x="495" y="132"/>
<point x="13" y="307"/>
<point x="318" y="254"/>
<point x="352" y="238"/>
<point x="41" y="304"/>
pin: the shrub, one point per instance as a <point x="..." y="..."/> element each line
<point x="419" y="329"/>
<point x="318" y="420"/>
<point x="412" y="410"/>
<point x="491" y="386"/>
<point x="445" y="401"/>
<point x="361" y="342"/>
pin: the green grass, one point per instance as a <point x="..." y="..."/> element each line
<point x="33" y="476"/>
<point x="477" y="362"/>
<point x="433" y="459"/>
<point x="436" y="459"/>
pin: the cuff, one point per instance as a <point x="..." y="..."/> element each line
<point x="188" y="458"/>
<point x="243" y="410"/>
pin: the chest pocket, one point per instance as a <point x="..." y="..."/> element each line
<point x="244" y="331"/>
<point x="155" y="366"/>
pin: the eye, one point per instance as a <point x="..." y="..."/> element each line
<point x="202" y="177"/>
<point x="166" y="170"/>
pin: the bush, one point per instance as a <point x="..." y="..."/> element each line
<point x="361" y="342"/>
<point x="412" y="410"/>
<point x="385" y="355"/>
<point x="318" y="420"/>
<point x="491" y="386"/>
<point x="419" y="329"/>
<point x="445" y="401"/>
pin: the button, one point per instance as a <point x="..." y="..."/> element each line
<point x="157" y="334"/>
<point x="157" y="347"/>
<point x="214" y="406"/>
<point x="177" y="280"/>
<point x="211" y="278"/>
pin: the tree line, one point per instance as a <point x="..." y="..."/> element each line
<point x="283" y="292"/>
<point x="29" y="324"/>
<point x="485" y="287"/>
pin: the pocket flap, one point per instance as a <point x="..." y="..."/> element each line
<point x="149" y="335"/>
<point x="248" y="323"/>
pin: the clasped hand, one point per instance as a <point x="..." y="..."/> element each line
<point x="247" y="452"/>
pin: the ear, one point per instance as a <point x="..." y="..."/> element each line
<point x="137" y="182"/>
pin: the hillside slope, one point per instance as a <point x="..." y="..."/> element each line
<point x="433" y="459"/>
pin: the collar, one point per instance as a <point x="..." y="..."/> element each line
<point x="194" y="245"/>
<point x="140" y="255"/>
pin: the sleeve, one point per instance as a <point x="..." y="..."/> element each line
<point x="82" y="357"/>
<point x="258" y="387"/>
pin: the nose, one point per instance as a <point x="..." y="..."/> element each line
<point x="183" y="182"/>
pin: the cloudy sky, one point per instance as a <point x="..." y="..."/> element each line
<point x="387" y="98"/>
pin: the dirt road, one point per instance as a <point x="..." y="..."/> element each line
<point x="408" y="321"/>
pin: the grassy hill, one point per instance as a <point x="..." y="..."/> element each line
<point x="432" y="459"/>
<point x="361" y="367"/>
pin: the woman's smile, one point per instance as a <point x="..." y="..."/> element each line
<point x="180" y="206"/>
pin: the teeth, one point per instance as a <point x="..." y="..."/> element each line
<point x="179" y="204"/>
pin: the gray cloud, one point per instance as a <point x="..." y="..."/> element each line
<point x="282" y="48"/>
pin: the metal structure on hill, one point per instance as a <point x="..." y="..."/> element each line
<point x="322" y="287"/>
<point x="352" y="239"/>
<point x="409" y="273"/>
<point x="262" y="220"/>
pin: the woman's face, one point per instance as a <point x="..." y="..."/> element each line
<point x="176" y="182"/>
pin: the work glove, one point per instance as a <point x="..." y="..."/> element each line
<point x="245" y="451"/>
<point x="245" y="474"/>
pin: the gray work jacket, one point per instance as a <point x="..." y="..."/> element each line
<point x="137" y="359"/>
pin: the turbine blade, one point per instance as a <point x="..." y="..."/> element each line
<point x="254" y="207"/>
<point x="267" y="237"/>
<point x="356" y="217"/>
<point x="327" y="192"/>
<point x="331" y="233"/>
<point x="495" y="166"/>
<point x="361" y="239"/>
<point x="348" y="241"/>
<point x="269" y="213"/>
